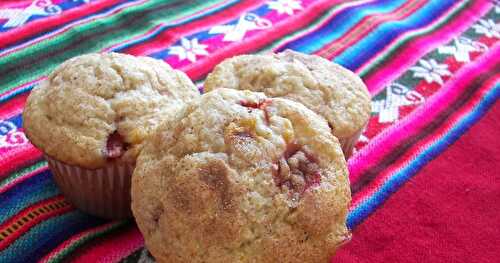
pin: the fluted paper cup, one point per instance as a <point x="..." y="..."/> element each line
<point x="348" y="144"/>
<point x="103" y="192"/>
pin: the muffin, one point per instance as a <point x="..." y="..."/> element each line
<point x="330" y="90"/>
<point x="90" y="117"/>
<point x="236" y="176"/>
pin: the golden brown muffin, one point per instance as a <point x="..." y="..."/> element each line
<point x="99" y="106"/>
<point x="328" y="89"/>
<point x="240" y="177"/>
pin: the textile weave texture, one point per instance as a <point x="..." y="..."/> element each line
<point x="425" y="175"/>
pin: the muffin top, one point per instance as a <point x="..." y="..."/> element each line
<point x="236" y="176"/>
<point x="328" y="89"/>
<point x="99" y="107"/>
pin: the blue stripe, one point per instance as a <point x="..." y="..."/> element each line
<point x="203" y="35"/>
<point x="368" y="206"/>
<point x="355" y="56"/>
<point x="120" y="48"/>
<point x="5" y="98"/>
<point x="46" y="235"/>
<point x="163" y="28"/>
<point x="17" y="120"/>
<point x="66" y="7"/>
<point x="27" y="193"/>
<point x="340" y="24"/>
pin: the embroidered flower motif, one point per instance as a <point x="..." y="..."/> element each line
<point x="19" y="16"/>
<point x="6" y="127"/>
<point x="461" y="48"/>
<point x="431" y="71"/>
<point x="236" y="32"/>
<point x="10" y="136"/>
<point x="363" y="138"/>
<point x="285" y="6"/>
<point x="487" y="28"/>
<point x="396" y="95"/>
<point x="189" y="49"/>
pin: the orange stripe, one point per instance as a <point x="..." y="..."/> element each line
<point x="23" y="221"/>
<point x="367" y="25"/>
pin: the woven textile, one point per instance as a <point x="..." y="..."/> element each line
<point x="425" y="173"/>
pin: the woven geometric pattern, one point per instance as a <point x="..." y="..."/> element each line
<point x="432" y="67"/>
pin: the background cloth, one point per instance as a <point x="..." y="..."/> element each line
<point x="425" y="176"/>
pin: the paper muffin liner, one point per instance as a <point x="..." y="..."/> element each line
<point x="348" y="144"/>
<point x="103" y="192"/>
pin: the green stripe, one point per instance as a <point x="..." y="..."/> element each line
<point x="492" y="14"/>
<point x="407" y="78"/>
<point x="59" y="257"/>
<point x="103" y="39"/>
<point x="280" y="41"/>
<point x="21" y="173"/>
<point x="393" y="48"/>
<point x="322" y="19"/>
<point x="77" y="30"/>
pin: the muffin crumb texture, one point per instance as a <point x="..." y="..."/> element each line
<point x="99" y="107"/>
<point x="333" y="92"/>
<point x="236" y="176"/>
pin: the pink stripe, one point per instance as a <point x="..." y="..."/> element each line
<point x="366" y="26"/>
<point x="15" y="157"/>
<point x="104" y="49"/>
<point x="168" y="37"/>
<point x="33" y="82"/>
<point x="21" y="179"/>
<point x="156" y="28"/>
<point x="113" y="248"/>
<point x="383" y="143"/>
<point x="421" y="146"/>
<point x="16" y="4"/>
<point x="255" y="39"/>
<point x="413" y="51"/>
<point x="13" y="107"/>
<point x="149" y="32"/>
<point x="305" y="33"/>
<point x="74" y="239"/>
<point x="68" y="27"/>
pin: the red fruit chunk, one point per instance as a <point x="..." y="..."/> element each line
<point x="297" y="170"/>
<point x="250" y="104"/>
<point x="261" y="105"/>
<point x="115" y="146"/>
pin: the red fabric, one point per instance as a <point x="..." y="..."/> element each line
<point x="449" y="212"/>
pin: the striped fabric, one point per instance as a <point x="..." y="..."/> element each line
<point x="432" y="67"/>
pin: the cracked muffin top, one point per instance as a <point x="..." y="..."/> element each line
<point x="97" y="107"/>
<point x="330" y="90"/>
<point x="236" y="176"/>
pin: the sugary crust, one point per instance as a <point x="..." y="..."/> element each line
<point x="87" y="98"/>
<point x="206" y="186"/>
<point x="328" y="89"/>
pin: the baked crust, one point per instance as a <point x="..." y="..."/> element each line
<point x="236" y="176"/>
<point x="88" y="99"/>
<point x="330" y="90"/>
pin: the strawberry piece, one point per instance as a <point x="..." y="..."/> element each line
<point x="115" y="146"/>
<point x="261" y="105"/>
<point x="296" y="170"/>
